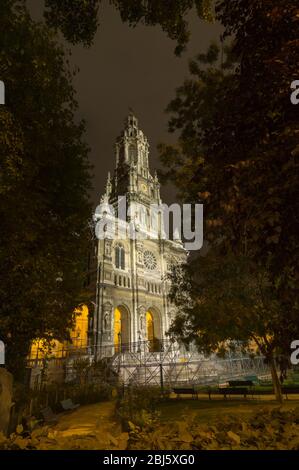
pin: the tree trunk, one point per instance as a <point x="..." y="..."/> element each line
<point x="275" y="380"/>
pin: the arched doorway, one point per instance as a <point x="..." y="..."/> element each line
<point x="153" y="330"/>
<point x="121" y="336"/>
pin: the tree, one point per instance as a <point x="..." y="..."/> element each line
<point x="44" y="185"/>
<point x="238" y="150"/>
<point x="78" y="20"/>
<point x="248" y="134"/>
<point x="224" y="299"/>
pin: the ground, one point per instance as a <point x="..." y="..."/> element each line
<point x="208" y="410"/>
<point x="96" y="427"/>
<point x="90" y="426"/>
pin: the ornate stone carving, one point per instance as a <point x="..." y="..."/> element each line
<point x="107" y="310"/>
<point x="108" y="245"/>
<point x="141" y="310"/>
<point x="142" y="323"/>
<point x="140" y="257"/>
<point x="107" y="336"/>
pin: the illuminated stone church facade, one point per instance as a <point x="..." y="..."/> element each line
<point x="132" y="286"/>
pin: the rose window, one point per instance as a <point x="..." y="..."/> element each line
<point x="150" y="261"/>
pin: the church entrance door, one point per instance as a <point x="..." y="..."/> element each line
<point x="153" y="330"/>
<point x="121" y="329"/>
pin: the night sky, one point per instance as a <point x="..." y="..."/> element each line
<point x="129" y="67"/>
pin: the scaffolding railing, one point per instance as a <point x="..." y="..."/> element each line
<point x="158" y="362"/>
<point x="172" y="363"/>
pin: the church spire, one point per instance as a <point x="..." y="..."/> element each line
<point x="132" y="146"/>
<point x="132" y="175"/>
<point x="131" y="120"/>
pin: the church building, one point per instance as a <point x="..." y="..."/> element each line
<point x="132" y="306"/>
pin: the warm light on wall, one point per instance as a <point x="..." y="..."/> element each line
<point x="80" y="332"/>
<point x="150" y="327"/>
<point x="117" y="327"/>
<point x="57" y="349"/>
<point x="39" y="350"/>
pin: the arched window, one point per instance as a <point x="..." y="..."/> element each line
<point x="133" y="153"/>
<point x="120" y="257"/>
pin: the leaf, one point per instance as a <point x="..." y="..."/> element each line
<point x="234" y="437"/>
<point x="113" y="440"/>
<point x="186" y="437"/>
<point x="19" y="429"/>
<point x="132" y="426"/>
<point x="21" y="443"/>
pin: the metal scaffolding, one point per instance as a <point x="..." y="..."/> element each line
<point x="170" y="363"/>
<point x="163" y="363"/>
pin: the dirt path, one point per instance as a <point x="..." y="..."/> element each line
<point x="88" y="427"/>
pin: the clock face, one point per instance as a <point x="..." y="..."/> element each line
<point x="143" y="188"/>
<point x="150" y="261"/>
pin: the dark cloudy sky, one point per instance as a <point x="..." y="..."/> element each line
<point x="129" y="67"/>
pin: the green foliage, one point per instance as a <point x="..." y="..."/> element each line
<point x="81" y="368"/>
<point x="91" y="393"/>
<point x="93" y="372"/>
<point x="44" y="186"/>
<point x="138" y="406"/>
<point x="229" y="298"/>
<point x="170" y="15"/>
<point x="237" y="154"/>
<point x="78" y="20"/>
<point x="192" y="113"/>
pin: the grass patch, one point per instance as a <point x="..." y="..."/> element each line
<point x="207" y="410"/>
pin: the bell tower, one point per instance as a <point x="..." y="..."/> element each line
<point x="132" y="177"/>
<point x="132" y="147"/>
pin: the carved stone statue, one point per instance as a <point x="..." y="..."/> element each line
<point x="108" y="244"/>
<point x="142" y="323"/>
<point x="107" y="317"/>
